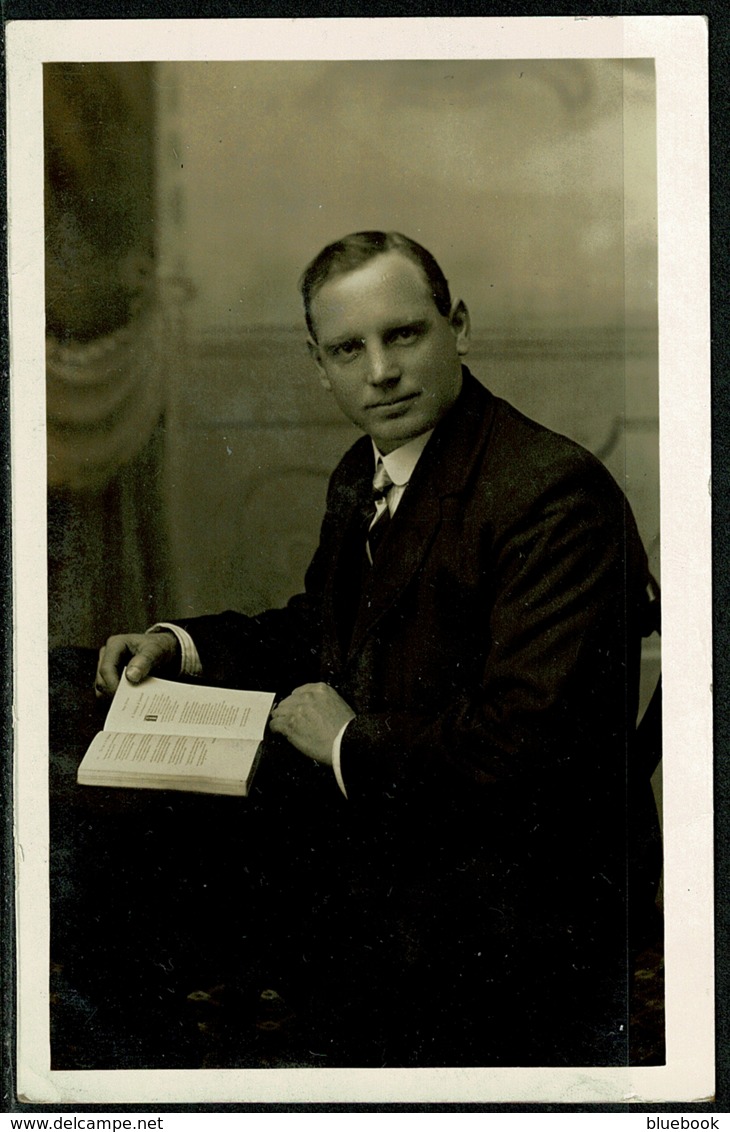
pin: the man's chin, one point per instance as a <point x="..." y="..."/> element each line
<point x="400" y="433"/>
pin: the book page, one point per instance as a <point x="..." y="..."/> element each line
<point x="163" y="707"/>
<point x="169" y="761"/>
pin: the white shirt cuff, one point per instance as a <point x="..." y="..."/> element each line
<point x="189" y="660"/>
<point x="336" y="765"/>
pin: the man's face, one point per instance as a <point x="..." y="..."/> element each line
<point x="391" y="361"/>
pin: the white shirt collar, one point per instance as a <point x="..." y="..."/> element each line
<point x="400" y="463"/>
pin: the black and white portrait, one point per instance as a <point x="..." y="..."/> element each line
<point x="351" y="373"/>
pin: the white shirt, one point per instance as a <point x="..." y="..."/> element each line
<point x="400" y="465"/>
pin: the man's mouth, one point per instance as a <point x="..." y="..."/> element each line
<point x="395" y="402"/>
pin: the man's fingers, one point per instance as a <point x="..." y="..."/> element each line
<point x="112" y="658"/>
<point x="311" y="718"/>
<point x="141" y="652"/>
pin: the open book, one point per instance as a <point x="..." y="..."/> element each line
<point x="170" y="736"/>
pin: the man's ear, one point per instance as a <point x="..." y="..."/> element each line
<point x="316" y="356"/>
<point x="460" y="323"/>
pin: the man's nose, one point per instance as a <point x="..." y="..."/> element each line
<point x="382" y="364"/>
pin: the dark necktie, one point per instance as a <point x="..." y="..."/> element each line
<point x="380" y="519"/>
<point x="359" y="548"/>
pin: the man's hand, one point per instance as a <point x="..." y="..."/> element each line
<point x="311" y="718"/>
<point x="141" y="652"/>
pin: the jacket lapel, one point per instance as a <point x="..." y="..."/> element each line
<point x="345" y="547"/>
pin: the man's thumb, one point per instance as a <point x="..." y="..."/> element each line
<point x="137" y="669"/>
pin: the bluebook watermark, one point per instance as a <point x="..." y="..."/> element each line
<point x="681" y="1122"/>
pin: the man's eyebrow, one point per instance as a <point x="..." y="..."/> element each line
<point x="409" y="324"/>
<point x="342" y="340"/>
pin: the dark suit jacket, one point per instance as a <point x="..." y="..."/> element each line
<point x="493" y="665"/>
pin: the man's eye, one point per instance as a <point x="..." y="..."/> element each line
<point x="406" y="334"/>
<point x="346" y="349"/>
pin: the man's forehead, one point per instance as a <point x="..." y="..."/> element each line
<point x="386" y="283"/>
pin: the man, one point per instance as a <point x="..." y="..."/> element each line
<point x="462" y="674"/>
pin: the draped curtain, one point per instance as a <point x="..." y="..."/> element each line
<point x="105" y="357"/>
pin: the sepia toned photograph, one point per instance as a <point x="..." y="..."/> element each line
<point x="353" y="591"/>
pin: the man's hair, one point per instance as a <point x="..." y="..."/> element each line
<point x="357" y="249"/>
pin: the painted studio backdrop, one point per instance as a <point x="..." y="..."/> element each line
<point x="189" y="440"/>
